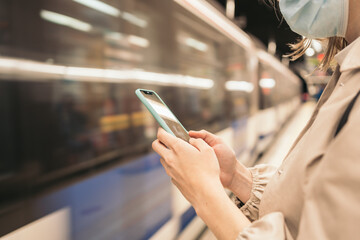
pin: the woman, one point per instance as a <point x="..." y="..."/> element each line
<point x="315" y="194"/>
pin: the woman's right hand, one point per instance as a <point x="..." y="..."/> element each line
<point x="233" y="175"/>
<point x="225" y="155"/>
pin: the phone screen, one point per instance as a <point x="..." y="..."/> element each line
<point x="165" y="113"/>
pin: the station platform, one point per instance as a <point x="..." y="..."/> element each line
<point x="279" y="148"/>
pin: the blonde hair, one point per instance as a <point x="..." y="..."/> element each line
<point x="333" y="44"/>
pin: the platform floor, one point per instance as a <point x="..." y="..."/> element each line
<point x="283" y="142"/>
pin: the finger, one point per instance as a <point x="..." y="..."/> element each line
<point x="160" y="148"/>
<point x="167" y="139"/>
<point x="208" y="137"/>
<point x="200" y="144"/>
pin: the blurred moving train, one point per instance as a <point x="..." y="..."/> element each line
<point x="75" y="142"/>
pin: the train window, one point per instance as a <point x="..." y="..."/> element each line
<point x="198" y="55"/>
<point x="238" y="85"/>
<point x="267" y="86"/>
<point x="275" y="86"/>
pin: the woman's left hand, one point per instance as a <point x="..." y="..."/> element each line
<point x="193" y="167"/>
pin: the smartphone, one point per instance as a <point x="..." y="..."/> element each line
<point x="162" y="113"/>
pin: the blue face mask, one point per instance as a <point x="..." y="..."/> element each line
<point x="316" y="18"/>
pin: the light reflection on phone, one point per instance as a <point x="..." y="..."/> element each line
<point x="168" y="117"/>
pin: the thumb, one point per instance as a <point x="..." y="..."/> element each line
<point x="208" y="137"/>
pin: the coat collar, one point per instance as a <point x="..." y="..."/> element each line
<point x="349" y="57"/>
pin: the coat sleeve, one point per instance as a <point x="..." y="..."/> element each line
<point x="332" y="195"/>
<point x="261" y="176"/>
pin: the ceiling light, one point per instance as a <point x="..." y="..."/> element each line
<point x="316" y="45"/>
<point x="65" y="20"/>
<point x="138" y="41"/>
<point x="230" y="9"/>
<point x="267" y="83"/>
<point x="241" y="86"/>
<point x="100" y="6"/>
<point x="134" y="19"/>
<point x="310" y="52"/>
<point x="196" y="44"/>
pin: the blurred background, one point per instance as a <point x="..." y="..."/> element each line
<point x="75" y="142"/>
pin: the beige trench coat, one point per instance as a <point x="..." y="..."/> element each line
<point x="315" y="194"/>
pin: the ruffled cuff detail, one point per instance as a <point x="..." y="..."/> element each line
<point x="261" y="175"/>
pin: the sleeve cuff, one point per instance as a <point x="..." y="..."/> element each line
<point x="261" y="175"/>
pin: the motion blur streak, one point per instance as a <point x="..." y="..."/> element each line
<point x="100" y="6"/>
<point x="65" y="21"/>
<point x="107" y="75"/>
<point x="209" y="14"/>
<point x="134" y="20"/>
